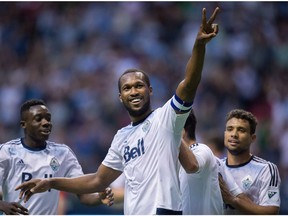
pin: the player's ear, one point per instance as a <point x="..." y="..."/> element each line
<point x="22" y="124"/>
<point x="253" y="137"/>
<point x="151" y="90"/>
<point x="120" y="98"/>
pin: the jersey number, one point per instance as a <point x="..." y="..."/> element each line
<point x="28" y="176"/>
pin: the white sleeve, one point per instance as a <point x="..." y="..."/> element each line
<point x="72" y="165"/>
<point x="113" y="158"/>
<point x="203" y="155"/>
<point x="270" y="189"/>
<point x="4" y="164"/>
<point x="228" y="178"/>
<point x="170" y="120"/>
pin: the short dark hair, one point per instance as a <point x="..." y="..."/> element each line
<point x="134" y="70"/>
<point x="190" y="125"/>
<point x="243" y="114"/>
<point x="29" y="103"/>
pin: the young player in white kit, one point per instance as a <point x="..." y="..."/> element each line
<point x="33" y="156"/>
<point x="259" y="179"/>
<point x="146" y="151"/>
<point x="199" y="175"/>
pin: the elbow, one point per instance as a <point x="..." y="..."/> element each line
<point x="191" y="169"/>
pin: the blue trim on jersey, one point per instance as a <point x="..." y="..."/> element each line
<point x="240" y="165"/>
<point x="162" y="211"/>
<point x="180" y="105"/>
<point x="33" y="149"/>
<point x="142" y="120"/>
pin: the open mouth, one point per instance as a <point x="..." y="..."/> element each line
<point x="46" y="132"/>
<point x="135" y="101"/>
<point x="233" y="142"/>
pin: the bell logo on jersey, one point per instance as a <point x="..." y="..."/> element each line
<point x="134" y="152"/>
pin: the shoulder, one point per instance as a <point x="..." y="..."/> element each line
<point x="219" y="162"/>
<point x="262" y="162"/>
<point x="60" y="147"/>
<point x="124" y="130"/>
<point x="201" y="147"/>
<point x="202" y="151"/>
<point x="11" y="143"/>
<point x="265" y="164"/>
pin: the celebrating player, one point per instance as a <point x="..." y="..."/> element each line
<point x="259" y="179"/>
<point x="33" y="156"/>
<point x="146" y="150"/>
<point x="199" y="182"/>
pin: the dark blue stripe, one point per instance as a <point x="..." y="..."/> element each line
<point x="177" y="109"/>
<point x="161" y="211"/>
<point x="186" y="104"/>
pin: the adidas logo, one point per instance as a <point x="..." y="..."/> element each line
<point x="20" y="162"/>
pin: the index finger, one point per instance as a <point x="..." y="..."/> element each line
<point x="21" y="186"/>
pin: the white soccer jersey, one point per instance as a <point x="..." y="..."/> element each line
<point x="20" y="163"/>
<point x="259" y="179"/>
<point x="228" y="178"/>
<point x="201" y="191"/>
<point x="147" y="153"/>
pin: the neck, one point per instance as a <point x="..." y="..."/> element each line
<point x="136" y="119"/>
<point x="33" y="143"/>
<point x="235" y="160"/>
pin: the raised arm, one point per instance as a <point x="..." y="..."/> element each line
<point x="89" y="183"/>
<point x="186" y="90"/>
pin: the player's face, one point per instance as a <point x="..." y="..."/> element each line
<point x="135" y="94"/>
<point x="237" y="137"/>
<point x="37" y="123"/>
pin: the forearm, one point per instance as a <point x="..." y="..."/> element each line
<point x="90" y="199"/>
<point x="81" y="185"/>
<point x="246" y="206"/>
<point x="188" y="159"/>
<point x="195" y="64"/>
<point x="187" y="88"/>
<point x="118" y="195"/>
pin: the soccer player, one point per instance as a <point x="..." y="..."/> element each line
<point x="147" y="149"/>
<point x="199" y="173"/>
<point x="33" y="156"/>
<point x="259" y="179"/>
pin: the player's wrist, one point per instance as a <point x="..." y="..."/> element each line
<point x="234" y="201"/>
<point x="51" y="183"/>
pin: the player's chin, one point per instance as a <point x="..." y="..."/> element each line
<point x="44" y="136"/>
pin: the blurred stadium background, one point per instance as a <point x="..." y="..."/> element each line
<point x="70" y="54"/>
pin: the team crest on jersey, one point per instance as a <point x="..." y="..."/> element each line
<point x="12" y="151"/>
<point x="146" y="126"/>
<point x="247" y="182"/>
<point x="54" y="164"/>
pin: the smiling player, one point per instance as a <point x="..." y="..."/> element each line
<point x="33" y="156"/>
